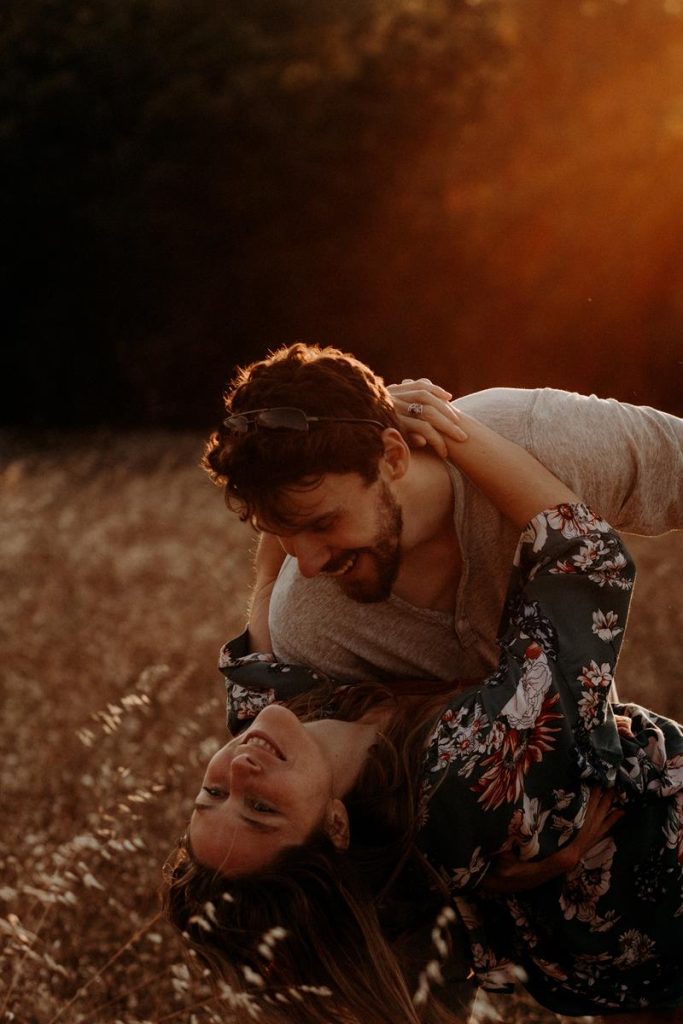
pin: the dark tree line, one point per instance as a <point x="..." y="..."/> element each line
<point x="484" y="192"/>
<point x="189" y="183"/>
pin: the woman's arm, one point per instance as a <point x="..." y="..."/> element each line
<point x="513" y="479"/>
<point x="517" y="483"/>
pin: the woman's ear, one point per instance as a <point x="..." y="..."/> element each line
<point x="337" y="824"/>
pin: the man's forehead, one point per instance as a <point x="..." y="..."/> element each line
<point x="298" y="505"/>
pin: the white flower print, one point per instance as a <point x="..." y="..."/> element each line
<point x="596" y="681"/>
<point x="225" y="659"/>
<point x="246" y="703"/>
<point x="571" y="520"/>
<point x="495" y="975"/>
<point x="589" y="880"/>
<point x="525" y="827"/>
<point x="562" y="798"/>
<point x="605" y="625"/>
<point x="589" y="554"/>
<point x="591" y="708"/>
<point x="611" y="572"/>
<point x="567" y="827"/>
<point x="462" y="876"/>
<point x="595" y="675"/>
<point x="551" y="969"/>
<point x="525" y="705"/>
<point x="536" y="534"/>
<point x="461" y="742"/>
<point x="636" y="949"/>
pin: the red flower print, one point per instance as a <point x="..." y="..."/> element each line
<point x="503" y="780"/>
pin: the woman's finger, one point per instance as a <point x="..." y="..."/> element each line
<point x="422" y="412"/>
<point x="624" y="725"/>
<point x="427" y="420"/>
<point x="601" y="816"/>
<point x="426" y="384"/>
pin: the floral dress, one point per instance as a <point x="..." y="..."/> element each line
<point x="509" y="765"/>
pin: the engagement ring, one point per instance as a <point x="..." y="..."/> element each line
<point x="415" y="409"/>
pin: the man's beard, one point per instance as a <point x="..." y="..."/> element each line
<point x="384" y="554"/>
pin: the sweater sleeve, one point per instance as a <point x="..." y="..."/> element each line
<point x="626" y="461"/>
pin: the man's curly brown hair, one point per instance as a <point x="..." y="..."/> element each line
<point x="253" y="468"/>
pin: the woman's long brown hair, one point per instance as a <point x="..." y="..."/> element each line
<point x="323" y="935"/>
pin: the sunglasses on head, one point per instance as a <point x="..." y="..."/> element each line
<point x="283" y="419"/>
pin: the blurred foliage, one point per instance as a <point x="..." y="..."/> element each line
<point x="485" y="191"/>
<point x="184" y="174"/>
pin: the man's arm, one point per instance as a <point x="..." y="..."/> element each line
<point x="267" y="562"/>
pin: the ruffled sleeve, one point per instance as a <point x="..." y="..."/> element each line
<point x="504" y="766"/>
<point x="252" y="681"/>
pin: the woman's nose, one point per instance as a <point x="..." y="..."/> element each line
<point x="243" y="765"/>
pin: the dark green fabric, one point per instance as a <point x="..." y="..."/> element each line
<point x="508" y="767"/>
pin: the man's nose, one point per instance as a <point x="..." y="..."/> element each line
<point x="310" y="553"/>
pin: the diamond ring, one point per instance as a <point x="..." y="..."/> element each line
<point x="415" y="409"/>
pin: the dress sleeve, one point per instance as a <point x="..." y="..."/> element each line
<point x="252" y="681"/>
<point x="508" y="757"/>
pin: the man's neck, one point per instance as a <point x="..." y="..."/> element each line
<point x="431" y="559"/>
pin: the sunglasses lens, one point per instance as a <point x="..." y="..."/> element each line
<point x="282" y="419"/>
<point x="236" y="424"/>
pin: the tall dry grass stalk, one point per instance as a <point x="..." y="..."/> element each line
<point x="122" y="574"/>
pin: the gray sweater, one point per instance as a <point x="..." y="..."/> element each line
<point x="625" y="461"/>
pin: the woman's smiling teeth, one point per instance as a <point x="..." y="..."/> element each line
<point x="258" y="741"/>
<point x="345" y="567"/>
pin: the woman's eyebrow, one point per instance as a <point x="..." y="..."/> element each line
<point x="257" y="826"/>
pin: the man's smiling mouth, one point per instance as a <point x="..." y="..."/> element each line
<point x="343" y="568"/>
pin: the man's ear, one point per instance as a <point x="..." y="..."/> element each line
<point x="396" y="452"/>
<point x="337" y="824"/>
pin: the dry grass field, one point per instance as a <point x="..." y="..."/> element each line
<point x="122" y="574"/>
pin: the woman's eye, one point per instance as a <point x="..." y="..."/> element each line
<point x="256" y="805"/>
<point x="214" y="791"/>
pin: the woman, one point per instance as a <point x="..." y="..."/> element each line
<point x="337" y="827"/>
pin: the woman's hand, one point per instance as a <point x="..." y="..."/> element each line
<point x="602" y="814"/>
<point x="624" y="725"/>
<point x="511" y="874"/>
<point x="425" y="416"/>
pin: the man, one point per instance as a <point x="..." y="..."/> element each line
<point x="395" y="566"/>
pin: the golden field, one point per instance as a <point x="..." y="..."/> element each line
<point x="122" y="574"/>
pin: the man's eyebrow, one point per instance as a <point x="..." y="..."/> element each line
<point x="313" y="519"/>
<point x="301" y="523"/>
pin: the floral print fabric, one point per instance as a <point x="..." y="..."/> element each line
<point x="509" y="766"/>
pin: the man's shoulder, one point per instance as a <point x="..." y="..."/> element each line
<point x="506" y="410"/>
<point x="496" y="401"/>
<point x="535" y="417"/>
